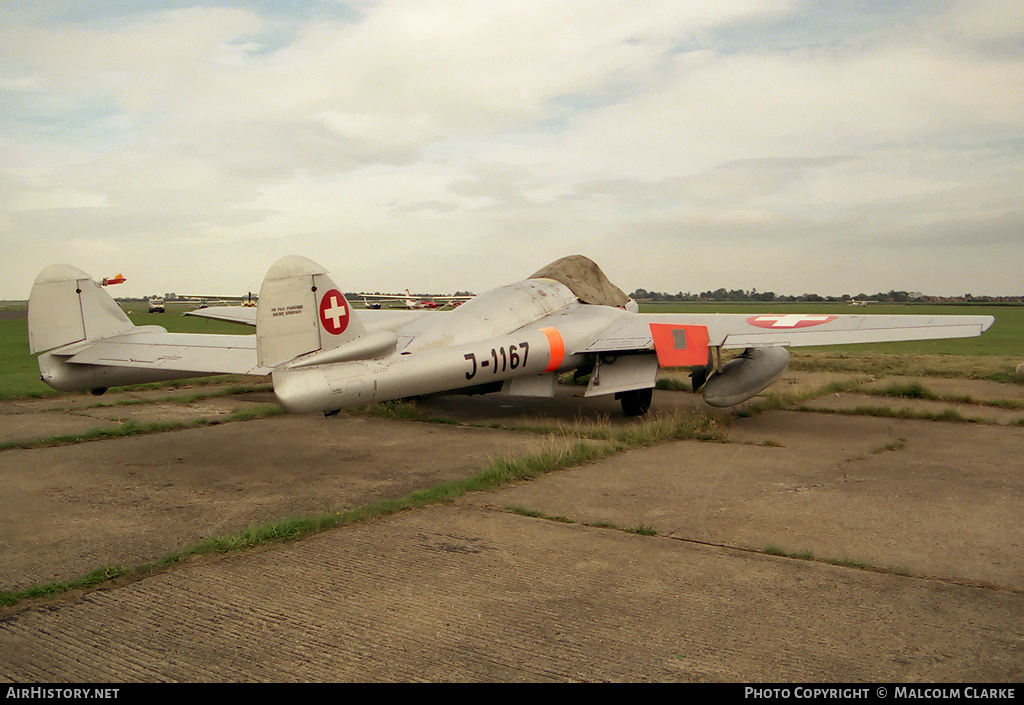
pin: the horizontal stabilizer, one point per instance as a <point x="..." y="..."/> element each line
<point x="181" y="352"/>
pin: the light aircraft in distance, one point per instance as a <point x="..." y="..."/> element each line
<point x="107" y="281"/>
<point x="202" y="301"/>
<point x="411" y="302"/>
<point x="516" y="339"/>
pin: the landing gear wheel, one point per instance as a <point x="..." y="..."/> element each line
<point x="698" y="376"/>
<point x="331" y="412"/>
<point x="636" y="402"/>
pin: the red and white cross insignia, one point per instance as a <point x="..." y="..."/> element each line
<point x="334" y="312"/>
<point x="793" y="320"/>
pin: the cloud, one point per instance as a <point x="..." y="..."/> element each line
<point x="400" y="140"/>
<point x="983" y="20"/>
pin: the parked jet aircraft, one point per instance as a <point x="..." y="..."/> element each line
<point x="516" y="339"/>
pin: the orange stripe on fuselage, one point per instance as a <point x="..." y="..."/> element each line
<point x="557" y="347"/>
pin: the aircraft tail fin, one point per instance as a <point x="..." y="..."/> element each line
<point x="67" y="306"/>
<point x="304" y="319"/>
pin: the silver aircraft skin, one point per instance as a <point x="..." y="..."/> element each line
<point x="516" y="339"/>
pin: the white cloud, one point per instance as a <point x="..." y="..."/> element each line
<point x="984" y="20"/>
<point x="421" y="134"/>
<point x="719" y="109"/>
<point x="56" y="199"/>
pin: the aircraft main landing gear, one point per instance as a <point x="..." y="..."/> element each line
<point x="635" y="402"/>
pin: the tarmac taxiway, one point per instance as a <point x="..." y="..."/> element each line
<point x="807" y="546"/>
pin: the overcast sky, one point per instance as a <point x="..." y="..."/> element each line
<point x="439" y="145"/>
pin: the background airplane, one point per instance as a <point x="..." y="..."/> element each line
<point x="411" y="302"/>
<point x="203" y="301"/>
<point x="515" y="339"/>
<point x="107" y="281"/>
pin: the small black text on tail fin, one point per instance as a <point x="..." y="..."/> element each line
<point x="301" y="311"/>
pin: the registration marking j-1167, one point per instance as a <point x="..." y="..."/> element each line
<point x="499" y="359"/>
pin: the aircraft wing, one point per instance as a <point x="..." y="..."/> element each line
<point x="740" y="330"/>
<point x="451" y="298"/>
<point x="160" y="350"/>
<point x="245" y="315"/>
<point x="403" y="297"/>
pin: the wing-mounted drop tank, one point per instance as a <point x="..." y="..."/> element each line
<point x="744" y="376"/>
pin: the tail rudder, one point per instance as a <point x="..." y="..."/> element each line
<point x="67" y="306"/>
<point x="301" y="311"/>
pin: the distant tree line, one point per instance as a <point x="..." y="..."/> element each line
<point x="891" y="296"/>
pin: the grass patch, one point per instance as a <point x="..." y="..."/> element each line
<point x="911" y="390"/>
<point x="398" y="410"/>
<point x="261" y="411"/>
<point x="774" y="401"/>
<point x="916" y="390"/>
<point x="773" y="550"/>
<point x="899" y="444"/>
<point x="534" y="514"/>
<point x="950" y="415"/>
<point x="642" y="530"/>
<point x="673" y="384"/>
<point x="850" y="563"/>
<point x="996" y="368"/>
<point x="96" y="577"/>
<point x="655" y="428"/>
<point x="135" y="428"/>
<point x="805" y="555"/>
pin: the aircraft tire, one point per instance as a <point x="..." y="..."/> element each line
<point x="698" y="376"/>
<point x="636" y="402"/>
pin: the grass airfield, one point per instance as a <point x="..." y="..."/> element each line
<point x="859" y="521"/>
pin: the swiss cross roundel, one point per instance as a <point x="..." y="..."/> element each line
<point x="334" y="313"/>
<point x="788" y="321"/>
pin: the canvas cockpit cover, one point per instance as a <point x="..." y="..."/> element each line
<point x="585" y="279"/>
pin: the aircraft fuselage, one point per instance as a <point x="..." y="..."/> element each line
<point x="524" y="329"/>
